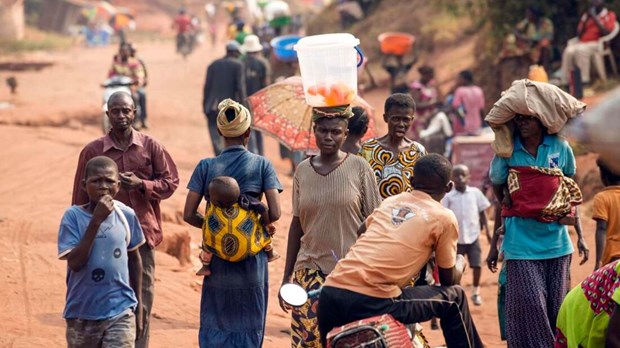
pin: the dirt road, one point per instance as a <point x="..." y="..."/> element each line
<point x="55" y="114"/>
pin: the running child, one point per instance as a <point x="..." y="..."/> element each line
<point x="100" y="242"/>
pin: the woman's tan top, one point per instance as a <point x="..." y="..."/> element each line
<point x="331" y="208"/>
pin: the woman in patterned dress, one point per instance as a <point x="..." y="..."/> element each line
<point x="393" y="155"/>
<point x="333" y="193"/>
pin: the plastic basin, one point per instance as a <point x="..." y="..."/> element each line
<point x="396" y="43"/>
<point x="283" y="47"/>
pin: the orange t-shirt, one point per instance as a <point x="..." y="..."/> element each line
<point x="606" y="207"/>
<point x="591" y="31"/>
<point x="400" y="238"/>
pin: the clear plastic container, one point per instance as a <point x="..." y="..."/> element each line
<point x="328" y="65"/>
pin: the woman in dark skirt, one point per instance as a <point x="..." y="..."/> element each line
<point x="233" y="304"/>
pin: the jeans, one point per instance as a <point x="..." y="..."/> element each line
<point x="116" y="332"/>
<point x="338" y="307"/>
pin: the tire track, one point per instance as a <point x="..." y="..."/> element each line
<point x="23" y="233"/>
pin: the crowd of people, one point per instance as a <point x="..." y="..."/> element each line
<point x="533" y="40"/>
<point x="370" y="219"/>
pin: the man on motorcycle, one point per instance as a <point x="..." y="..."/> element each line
<point x="126" y="65"/>
<point x="183" y="24"/>
<point x="397" y="241"/>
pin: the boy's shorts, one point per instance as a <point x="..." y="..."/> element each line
<point x="116" y="332"/>
<point x="473" y="252"/>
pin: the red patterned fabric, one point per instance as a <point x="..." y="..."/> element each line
<point x="541" y="193"/>
<point x="362" y="333"/>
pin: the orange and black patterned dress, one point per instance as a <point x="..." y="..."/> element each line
<point x="393" y="173"/>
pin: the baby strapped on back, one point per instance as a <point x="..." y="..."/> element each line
<point x="235" y="227"/>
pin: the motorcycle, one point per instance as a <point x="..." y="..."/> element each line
<point x="117" y="83"/>
<point x="381" y="331"/>
<point x="185" y="43"/>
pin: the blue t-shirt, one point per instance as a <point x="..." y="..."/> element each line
<point x="253" y="173"/>
<point x="529" y="239"/>
<point x="101" y="289"/>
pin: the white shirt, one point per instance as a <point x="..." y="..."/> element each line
<point x="467" y="207"/>
<point x="439" y="123"/>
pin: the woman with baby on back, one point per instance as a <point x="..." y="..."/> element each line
<point x="244" y="282"/>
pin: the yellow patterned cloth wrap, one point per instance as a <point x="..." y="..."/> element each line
<point x="234" y="233"/>
<point x="392" y="171"/>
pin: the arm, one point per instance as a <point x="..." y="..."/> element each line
<point x="273" y="203"/>
<point x="493" y="251"/>
<point x="612" y="337"/>
<point x="601" y="235"/>
<point x="135" y="281"/>
<point x="452" y="276"/>
<point x="166" y="177"/>
<point x="484" y="225"/>
<point x="190" y="212"/>
<point x="601" y="26"/>
<point x="370" y="196"/>
<point x="582" y="246"/>
<point x="78" y="257"/>
<point x="450" y="264"/>
<point x="294" y="243"/>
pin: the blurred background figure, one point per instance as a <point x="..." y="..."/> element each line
<point x="358" y="126"/>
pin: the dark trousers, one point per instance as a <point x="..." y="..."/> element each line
<point x="148" y="291"/>
<point x="338" y="307"/>
<point x="216" y="138"/>
<point x="142" y="103"/>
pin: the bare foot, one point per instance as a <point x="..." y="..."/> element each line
<point x="272" y="256"/>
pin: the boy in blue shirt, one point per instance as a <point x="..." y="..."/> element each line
<point x="100" y="242"/>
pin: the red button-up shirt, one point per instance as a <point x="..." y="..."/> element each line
<point x="149" y="161"/>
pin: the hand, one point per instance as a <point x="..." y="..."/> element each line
<point x="139" y="313"/>
<point x="271" y="229"/>
<point x="130" y="181"/>
<point x="583" y="250"/>
<point x="285" y="306"/>
<point x="103" y="208"/>
<point x="492" y="258"/>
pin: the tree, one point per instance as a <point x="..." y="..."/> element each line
<point x="12" y="19"/>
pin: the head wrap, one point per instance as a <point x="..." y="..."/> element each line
<point x="239" y="125"/>
<point x="343" y="111"/>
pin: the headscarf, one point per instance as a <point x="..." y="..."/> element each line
<point x="343" y="111"/>
<point x="239" y="125"/>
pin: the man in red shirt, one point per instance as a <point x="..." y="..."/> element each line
<point x="598" y="21"/>
<point x="147" y="174"/>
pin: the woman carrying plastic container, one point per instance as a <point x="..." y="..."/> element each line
<point x="333" y="193"/>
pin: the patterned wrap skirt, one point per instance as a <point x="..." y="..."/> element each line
<point x="304" y="324"/>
